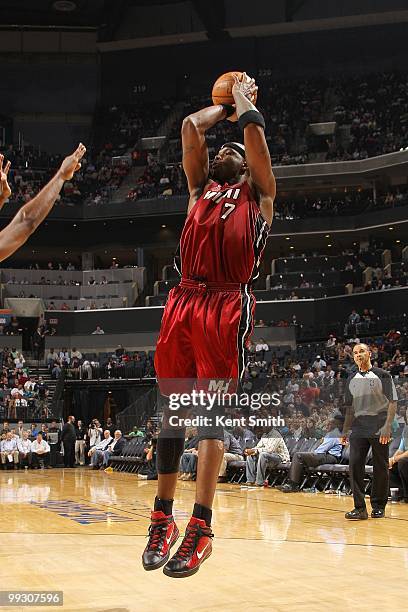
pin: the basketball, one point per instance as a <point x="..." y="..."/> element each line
<point x="222" y="88"/>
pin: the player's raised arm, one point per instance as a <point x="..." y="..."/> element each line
<point x="195" y="152"/>
<point x="29" y="217"/>
<point x="5" y="191"/>
<point x="256" y="148"/>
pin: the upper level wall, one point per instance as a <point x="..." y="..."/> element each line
<point x="308" y="312"/>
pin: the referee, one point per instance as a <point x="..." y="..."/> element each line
<point x="370" y="398"/>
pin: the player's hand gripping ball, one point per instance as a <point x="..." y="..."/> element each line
<point x="222" y="89"/>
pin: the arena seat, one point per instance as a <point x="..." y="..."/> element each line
<point x="131" y="460"/>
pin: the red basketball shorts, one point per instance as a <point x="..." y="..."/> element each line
<point x="204" y="331"/>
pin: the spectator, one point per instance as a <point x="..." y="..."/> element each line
<point x="188" y="462"/>
<point x="261" y="348"/>
<point x="270" y="451"/>
<point x="80" y="432"/>
<point x="34" y="430"/>
<point x="24" y="450"/>
<point x="319" y="362"/>
<point x="20" y="429"/>
<point x="120" y="351"/>
<point x="40" y="452"/>
<point x="398" y="465"/>
<point x="149" y="469"/>
<point x="19" y="361"/>
<point x="55" y="429"/>
<point x="51" y="358"/>
<point x="64" y="358"/>
<point x="331" y="342"/>
<point x="245" y="437"/>
<point x="110" y="425"/>
<point x="232" y="452"/>
<point x="6" y="428"/>
<point x="86" y="370"/>
<point x="114" y="448"/>
<point x="350" y="326"/>
<point x="329" y="451"/>
<point x="96" y="452"/>
<point x="95" y="433"/>
<point x="98" y="331"/>
<point x="75" y="354"/>
<point x="68" y="438"/>
<point x="9" y="451"/>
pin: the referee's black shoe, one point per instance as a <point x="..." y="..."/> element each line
<point x="358" y="514"/>
<point x="378" y="513"/>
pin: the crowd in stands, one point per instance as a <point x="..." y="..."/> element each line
<point x="22" y="395"/>
<point x="21" y="447"/>
<point x="351" y="203"/>
<point x="370" y="112"/>
<point x="165" y="180"/>
<point x="373" y="108"/>
<point x="119" y="364"/>
<point x="106" y="164"/>
<point x="376" y="107"/>
<point x="386" y="279"/>
<point x="93" y="184"/>
<point x="29" y="447"/>
<point x="52" y="266"/>
<point x="159" y="180"/>
<point x="302" y="374"/>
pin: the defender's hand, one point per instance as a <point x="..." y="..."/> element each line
<point x="5" y="191"/>
<point x="71" y="164"/>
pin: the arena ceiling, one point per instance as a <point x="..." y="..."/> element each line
<point x="104" y="14"/>
<point x="214" y="19"/>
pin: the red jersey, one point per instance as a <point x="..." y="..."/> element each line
<point x="224" y="236"/>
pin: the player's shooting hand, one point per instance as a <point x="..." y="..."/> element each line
<point x="5" y="191"/>
<point x="71" y="164"/>
<point x="385" y="434"/>
<point x="245" y="86"/>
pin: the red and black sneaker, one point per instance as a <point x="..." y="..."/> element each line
<point x="195" y="548"/>
<point x="163" y="534"/>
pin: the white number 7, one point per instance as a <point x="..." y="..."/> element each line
<point x="230" y="207"/>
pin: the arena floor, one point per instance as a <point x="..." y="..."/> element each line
<point x="83" y="532"/>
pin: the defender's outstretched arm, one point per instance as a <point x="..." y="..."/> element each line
<point x="29" y="217"/>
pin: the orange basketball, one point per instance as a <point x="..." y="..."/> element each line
<point x="222" y="88"/>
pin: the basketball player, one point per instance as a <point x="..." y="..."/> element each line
<point x="208" y="318"/>
<point x="29" y="217"/>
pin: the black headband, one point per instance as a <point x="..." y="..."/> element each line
<point x="237" y="146"/>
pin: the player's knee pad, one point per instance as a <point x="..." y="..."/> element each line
<point x="170" y="447"/>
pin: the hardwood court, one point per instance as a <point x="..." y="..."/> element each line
<point x="83" y="532"/>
